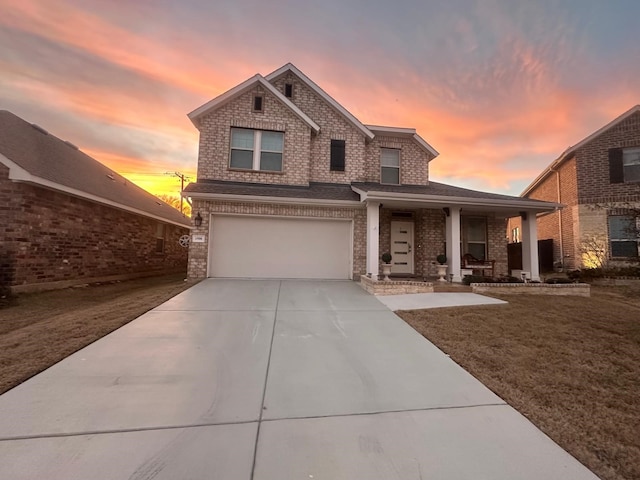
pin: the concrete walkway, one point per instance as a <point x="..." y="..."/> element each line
<point x="268" y="380"/>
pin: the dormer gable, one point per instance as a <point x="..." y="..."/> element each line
<point x="289" y="68"/>
<point x="238" y="90"/>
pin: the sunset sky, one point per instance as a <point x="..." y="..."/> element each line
<point x="499" y="87"/>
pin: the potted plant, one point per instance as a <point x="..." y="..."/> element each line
<point x="442" y="267"/>
<point x="386" y="265"/>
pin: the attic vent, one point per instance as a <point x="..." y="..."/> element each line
<point x="159" y="203"/>
<point x="71" y="145"/>
<point x="111" y="177"/>
<point x="39" y="128"/>
<point x="288" y="90"/>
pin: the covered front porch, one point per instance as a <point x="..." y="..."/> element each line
<point x="417" y="227"/>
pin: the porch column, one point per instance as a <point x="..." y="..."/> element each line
<point x="530" y="245"/>
<point x="373" y="238"/>
<point x="452" y="228"/>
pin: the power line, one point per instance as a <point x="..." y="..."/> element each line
<point x="182" y="178"/>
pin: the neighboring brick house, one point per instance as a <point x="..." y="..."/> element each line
<point x="292" y="185"/>
<point x="598" y="182"/>
<point x="65" y="218"/>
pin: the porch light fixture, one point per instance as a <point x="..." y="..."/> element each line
<point x="523" y="215"/>
<point x="446" y="211"/>
<point x="197" y="220"/>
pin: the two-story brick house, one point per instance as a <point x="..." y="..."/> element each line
<point x="292" y="185"/>
<point x="598" y="181"/>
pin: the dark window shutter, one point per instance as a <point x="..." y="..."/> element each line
<point x="616" y="169"/>
<point x="337" y="155"/>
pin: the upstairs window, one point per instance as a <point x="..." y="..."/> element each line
<point x="390" y="166"/>
<point x="256" y="150"/>
<point x="623" y="236"/>
<point x="257" y="103"/>
<point x="288" y="90"/>
<point x="337" y="155"/>
<point x="624" y="165"/>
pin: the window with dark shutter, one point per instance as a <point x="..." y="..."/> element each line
<point x="616" y="168"/>
<point x="337" y="155"/>
<point x="288" y="90"/>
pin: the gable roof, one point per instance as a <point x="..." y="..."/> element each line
<point x="35" y="156"/>
<point x="289" y="67"/>
<point x="569" y="152"/>
<point x="238" y="90"/>
<point x="405" y="132"/>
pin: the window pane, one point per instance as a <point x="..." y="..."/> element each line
<point x="272" y="141"/>
<point x="621" y="227"/>
<point x="624" y="249"/>
<point x="476" y="229"/>
<point x="241" y="159"/>
<point x="271" y="162"/>
<point x="390" y="175"/>
<point x="389" y="157"/>
<point x="477" y="250"/>
<point x="632" y="173"/>
<point x="241" y="138"/>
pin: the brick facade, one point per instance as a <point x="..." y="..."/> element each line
<point x="50" y="239"/>
<point x="588" y="194"/>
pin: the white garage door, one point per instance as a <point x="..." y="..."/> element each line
<point x="268" y="247"/>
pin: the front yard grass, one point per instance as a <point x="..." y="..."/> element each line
<point x="570" y="364"/>
<point x="40" y="329"/>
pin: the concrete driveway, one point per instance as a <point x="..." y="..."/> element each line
<point x="277" y="380"/>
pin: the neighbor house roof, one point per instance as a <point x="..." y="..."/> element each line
<point x="35" y="156"/>
<point x="238" y="90"/>
<point x="289" y="67"/>
<point x="569" y="152"/>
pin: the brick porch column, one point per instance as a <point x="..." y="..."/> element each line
<point x="373" y="238"/>
<point x="452" y="228"/>
<point x="530" y="245"/>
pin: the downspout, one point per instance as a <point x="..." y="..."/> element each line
<point x="560" y="219"/>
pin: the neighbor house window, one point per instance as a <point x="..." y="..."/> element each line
<point x="256" y="150"/>
<point x="623" y="236"/>
<point x="160" y="237"/>
<point x="390" y="166"/>
<point x="624" y="165"/>
<point x="337" y="155"/>
<point x="474" y="237"/>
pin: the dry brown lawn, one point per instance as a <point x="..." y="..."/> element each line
<point x="570" y="364"/>
<point x="40" y="329"/>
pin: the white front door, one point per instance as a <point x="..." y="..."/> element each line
<point x="402" y="247"/>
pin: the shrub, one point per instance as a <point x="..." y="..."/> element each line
<point x="386" y="257"/>
<point x="441" y="259"/>
<point x="555" y="281"/>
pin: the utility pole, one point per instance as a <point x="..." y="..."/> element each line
<point x="183" y="178"/>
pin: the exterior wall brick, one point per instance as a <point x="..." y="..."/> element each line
<point x="414" y="162"/>
<point x="587" y="193"/>
<point x="333" y="126"/>
<point x="215" y="140"/>
<point x="564" y="243"/>
<point x="593" y="162"/>
<point x="48" y="237"/>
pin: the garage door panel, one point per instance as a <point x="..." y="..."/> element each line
<point x="267" y="247"/>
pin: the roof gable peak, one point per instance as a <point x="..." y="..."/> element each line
<point x="290" y="67"/>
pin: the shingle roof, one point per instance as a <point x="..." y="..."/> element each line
<point x="54" y="163"/>
<point x="317" y="191"/>
<point x="435" y="188"/>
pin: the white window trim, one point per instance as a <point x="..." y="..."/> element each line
<point x="257" y="145"/>
<point x="389" y="166"/>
